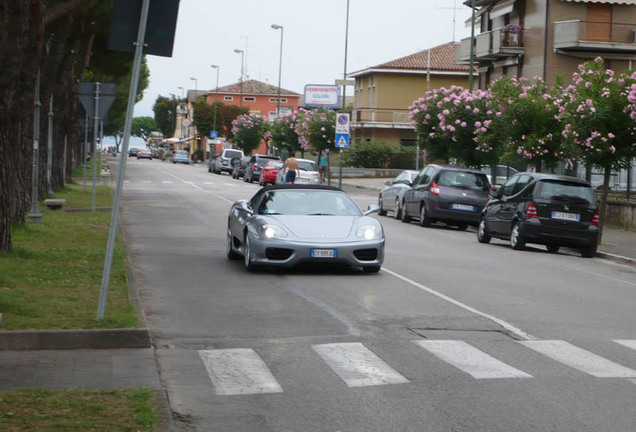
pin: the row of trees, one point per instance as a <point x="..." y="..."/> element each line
<point x="590" y="121"/>
<point x="62" y="42"/>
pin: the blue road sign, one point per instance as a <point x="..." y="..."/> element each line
<point x="342" y="140"/>
<point x="214" y="134"/>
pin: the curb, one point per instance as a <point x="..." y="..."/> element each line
<point x="616" y="258"/>
<point x="75" y="339"/>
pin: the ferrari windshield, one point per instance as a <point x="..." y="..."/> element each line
<point x="308" y="202"/>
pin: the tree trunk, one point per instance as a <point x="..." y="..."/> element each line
<point x="603" y="205"/>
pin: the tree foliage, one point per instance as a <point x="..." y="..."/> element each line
<point x="142" y="127"/>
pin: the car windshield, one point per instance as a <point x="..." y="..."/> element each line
<point x="563" y="191"/>
<point x="308" y="202"/>
<point x="464" y="180"/>
<point x="307" y="166"/>
<point x="275" y="164"/>
<point x="233" y="154"/>
<point x="264" y="161"/>
<point x="182" y="153"/>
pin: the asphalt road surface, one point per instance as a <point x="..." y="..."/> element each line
<point x="451" y="335"/>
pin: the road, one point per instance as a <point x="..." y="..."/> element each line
<point x="451" y="335"/>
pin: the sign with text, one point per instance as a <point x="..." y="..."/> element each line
<point x="322" y="96"/>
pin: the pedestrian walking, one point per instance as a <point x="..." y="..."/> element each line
<point x="324" y="165"/>
<point x="291" y="165"/>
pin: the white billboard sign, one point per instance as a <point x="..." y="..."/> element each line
<point x="322" y="96"/>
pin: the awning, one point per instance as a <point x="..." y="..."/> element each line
<point x="625" y="2"/>
<point x="502" y="8"/>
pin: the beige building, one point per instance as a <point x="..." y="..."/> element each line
<point x="383" y="93"/>
<point x="548" y="38"/>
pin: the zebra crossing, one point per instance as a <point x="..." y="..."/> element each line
<point x="242" y="371"/>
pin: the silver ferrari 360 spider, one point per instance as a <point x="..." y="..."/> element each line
<point x="290" y="225"/>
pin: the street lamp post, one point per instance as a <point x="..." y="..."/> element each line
<point x="238" y="51"/>
<point x="472" y="47"/>
<point x="344" y="93"/>
<point x="196" y="89"/>
<point x="280" y="64"/>
<point x="216" y="96"/>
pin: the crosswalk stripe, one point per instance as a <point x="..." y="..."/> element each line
<point x="358" y="366"/>
<point x="580" y="359"/>
<point x="471" y="360"/>
<point x="628" y="343"/>
<point x="239" y="371"/>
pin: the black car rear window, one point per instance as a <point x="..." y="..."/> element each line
<point x="565" y="191"/>
<point x="233" y="154"/>
<point x="464" y="180"/>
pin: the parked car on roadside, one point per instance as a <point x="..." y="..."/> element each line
<point x="181" y="156"/>
<point x="222" y="162"/>
<point x="504" y="172"/>
<point x="253" y="168"/>
<point x="307" y="173"/>
<point x="546" y="209"/>
<point x="144" y="153"/>
<point x="132" y="151"/>
<point x="391" y="197"/>
<point x="449" y="194"/>
<point x="291" y="225"/>
<point x="269" y="172"/>
<point x="238" y="170"/>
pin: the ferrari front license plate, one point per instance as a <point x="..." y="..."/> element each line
<point x="324" y="253"/>
<point x="565" y="216"/>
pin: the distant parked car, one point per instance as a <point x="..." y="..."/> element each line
<point x="144" y="153"/>
<point x="392" y="197"/>
<point x="181" y="156"/>
<point x="307" y="173"/>
<point x="253" y="169"/>
<point x="449" y="194"/>
<point x="543" y="208"/>
<point x="269" y="172"/>
<point x="222" y="162"/>
<point x="132" y="151"/>
<point x="238" y="170"/>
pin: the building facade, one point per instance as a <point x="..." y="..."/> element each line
<point x="383" y="93"/>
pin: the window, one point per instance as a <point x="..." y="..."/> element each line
<point x="508" y="187"/>
<point x="228" y="98"/>
<point x="275" y="100"/>
<point x="249" y="99"/>
<point x="523" y="181"/>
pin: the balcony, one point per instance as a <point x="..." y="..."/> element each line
<point x="382" y="118"/>
<point x="590" y="38"/>
<point x="492" y="46"/>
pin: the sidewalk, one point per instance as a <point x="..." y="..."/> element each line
<point x="617" y="245"/>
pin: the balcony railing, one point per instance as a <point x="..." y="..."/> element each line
<point x="493" y="45"/>
<point x="381" y="118"/>
<point x="595" y="37"/>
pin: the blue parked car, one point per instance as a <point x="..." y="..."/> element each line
<point x="181" y="156"/>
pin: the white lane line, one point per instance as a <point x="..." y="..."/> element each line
<point x="471" y="360"/>
<point x="239" y="371"/>
<point x="628" y="343"/>
<point x="196" y="187"/>
<point x="166" y="182"/>
<point x="357" y="366"/>
<point x="520" y="333"/>
<point x="146" y="182"/>
<point x="580" y="359"/>
<point x="209" y="183"/>
<point x="229" y="184"/>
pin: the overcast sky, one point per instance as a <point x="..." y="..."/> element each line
<point x="208" y="32"/>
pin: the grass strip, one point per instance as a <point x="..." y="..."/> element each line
<point x="52" y="277"/>
<point x="78" y="410"/>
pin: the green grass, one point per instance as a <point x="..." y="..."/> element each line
<point x="78" y="410"/>
<point x="52" y="277"/>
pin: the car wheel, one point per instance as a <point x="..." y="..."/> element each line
<point x="424" y="220"/>
<point x="209" y="168"/>
<point x="371" y="269"/>
<point x="553" y="248"/>
<point x="517" y="241"/>
<point x="482" y="232"/>
<point x="405" y="216"/>
<point x="250" y="179"/>
<point x="174" y="162"/>
<point x="382" y="212"/>
<point x="229" y="250"/>
<point x="588" y="252"/>
<point x="462" y="226"/>
<point x="247" y="254"/>
<point x="398" y="209"/>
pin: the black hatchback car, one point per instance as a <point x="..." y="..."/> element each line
<point x="449" y="194"/>
<point x="543" y="208"/>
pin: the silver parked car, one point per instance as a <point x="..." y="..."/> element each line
<point x="392" y="197"/>
<point x="291" y="225"/>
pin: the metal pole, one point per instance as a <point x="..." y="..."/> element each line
<point x="49" y="155"/>
<point x="95" y="133"/>
<point x="132" y="93"/>
<point x="216" y="96"/>
<point x="34" y="214"/>
<point x="472" y="47"/>
<point x="64" y="163"/>
<point x="280" y="64"/>
<point x="344" y="88"/>
<point x="84" y="148"/>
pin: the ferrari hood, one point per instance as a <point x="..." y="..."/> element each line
<point x="320" y="227"/>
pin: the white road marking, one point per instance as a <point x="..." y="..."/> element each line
<point x="628" y="343"/>
<point x="357" y="366"/>
<point x="520" y="333"/>
<point x="196" y="187"/>
<point x="166" y="182"/>
<point x="209" y="183"/>
<point x="580" y="359"/>
<point x="146" y="181"/>
<point x="239" y="371"/>
<point x="229" y="184"/>
<point x="471" y="360"/>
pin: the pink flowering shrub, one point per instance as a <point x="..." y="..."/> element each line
<point x="317" y="130"/>
<point x="248" y="130"/>
<point x="283" y="131"/>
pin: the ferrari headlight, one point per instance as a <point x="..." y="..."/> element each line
<point x="368" y="232"/>
<point x="271" y="231"/>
